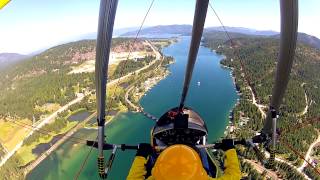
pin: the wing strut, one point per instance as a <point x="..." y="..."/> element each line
<point x="197" y="29"/>
<point x="105" y="28"/>
<point x="288" y="38"/>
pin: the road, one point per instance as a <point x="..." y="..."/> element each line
<point x="272" y="174"/>
<point x="158" y="57"/>
<point x="305" y="110"/>
<point x="261" y="169"/>
<point x="259" y="106"/>
<point x="44" y="155"/>
<point x="299" y="170"/>
<point x="45" y="121"/>
<point x="308" y="154"/>
<point x="80" y="96"/>
<point x="129" y="102"/>
<point x="158" y="54"/>
<point x="289" y="164"/>
<point x="80" y="125"/>
<point x="294" y="167"/>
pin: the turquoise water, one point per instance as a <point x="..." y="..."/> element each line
<point x="212" y="100"/>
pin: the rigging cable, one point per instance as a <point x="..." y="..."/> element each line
<point x="107" y="14"/>
<point x="117" y="84"/>
<point x="130" y="51"/>
<point x="285" y="143"/>
<point x="300" y="155"/>
<point x="45" y="132"/>
<point x="288" y="39"/>
<point x="83" y="164"/>
<point x="129" y="54"/>
<point x="296" y="127"/>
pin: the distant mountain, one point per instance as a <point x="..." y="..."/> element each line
<point x="309" y="39"/>
<point x="243" y="30"/>
<point x="219" y="31"/>
<point x="306" y="39"/>
<point x="93" y="35"/>
<point x="236" y="32"/>
<point x="186" y="30"/>
<point x="120" y="31"/>
<point x="302" y="37"/>
<point x="7" y="59"/>
<point x="162" y="29"/>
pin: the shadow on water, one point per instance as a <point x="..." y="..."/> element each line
<point x="79" y="116"/>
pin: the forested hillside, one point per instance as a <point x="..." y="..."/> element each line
<point x="37" y="87"/>
<point x="8" y="59"/>
<point x="45" y="78"/>
<point x="300" y="111"/>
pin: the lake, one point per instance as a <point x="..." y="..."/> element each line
<point x="212" y="98"/>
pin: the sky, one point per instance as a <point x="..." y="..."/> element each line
<point x="32" y="25"/>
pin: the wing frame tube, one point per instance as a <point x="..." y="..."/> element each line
<point x="288" y="39"/>
<point x="197" y="30"/>
<point x="107" y="14"/>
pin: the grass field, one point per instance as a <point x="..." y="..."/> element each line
<point x="11" y="134"/>
<point x="25" y="152"/>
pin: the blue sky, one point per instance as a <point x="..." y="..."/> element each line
<point x="29" y="25"/>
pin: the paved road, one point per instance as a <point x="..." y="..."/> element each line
<point x="289" y="164"/>
<point x="45" y="121"/>
<point x="294" y="167"/>
<point x="307" y="156"/>
<point x="129" y="102"/>
<point x="80" y="96"/>
<point x="57" y="144"/>
<point x="261" y="169"/>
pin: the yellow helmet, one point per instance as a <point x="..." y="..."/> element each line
<point x="179" y="162"/>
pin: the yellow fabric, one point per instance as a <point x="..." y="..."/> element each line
<point x="231" y="163"/>
<point x="138" y="170"/>
<point x="3" y="3"/>
<point x="179" y="162"/>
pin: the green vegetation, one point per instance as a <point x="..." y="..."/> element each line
<point x="162" y="43"/>
<point x="249" y="172"/>
<point x="287" y="172"/>
<point x="29" y="87"/>
<point x="258" y="56"/>
<point x="44" y="78"/>
<point x="11" y="169"/>
<point x="157" y="70"/>
<point x="127" y="66"/>
<point x="2" y="151"/>
<point x="48" y="130"/>
<point x="52" y="88"/>
<point x="311" y="173"/>
<point x="26" y="153"/>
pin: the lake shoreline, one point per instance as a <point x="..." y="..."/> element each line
<point x="156" y="101"/>
<point x="113" y="115"/>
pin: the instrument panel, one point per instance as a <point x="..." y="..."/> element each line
<point x="179" y="136"/>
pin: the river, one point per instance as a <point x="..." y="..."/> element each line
<point x="212" y="99"/>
